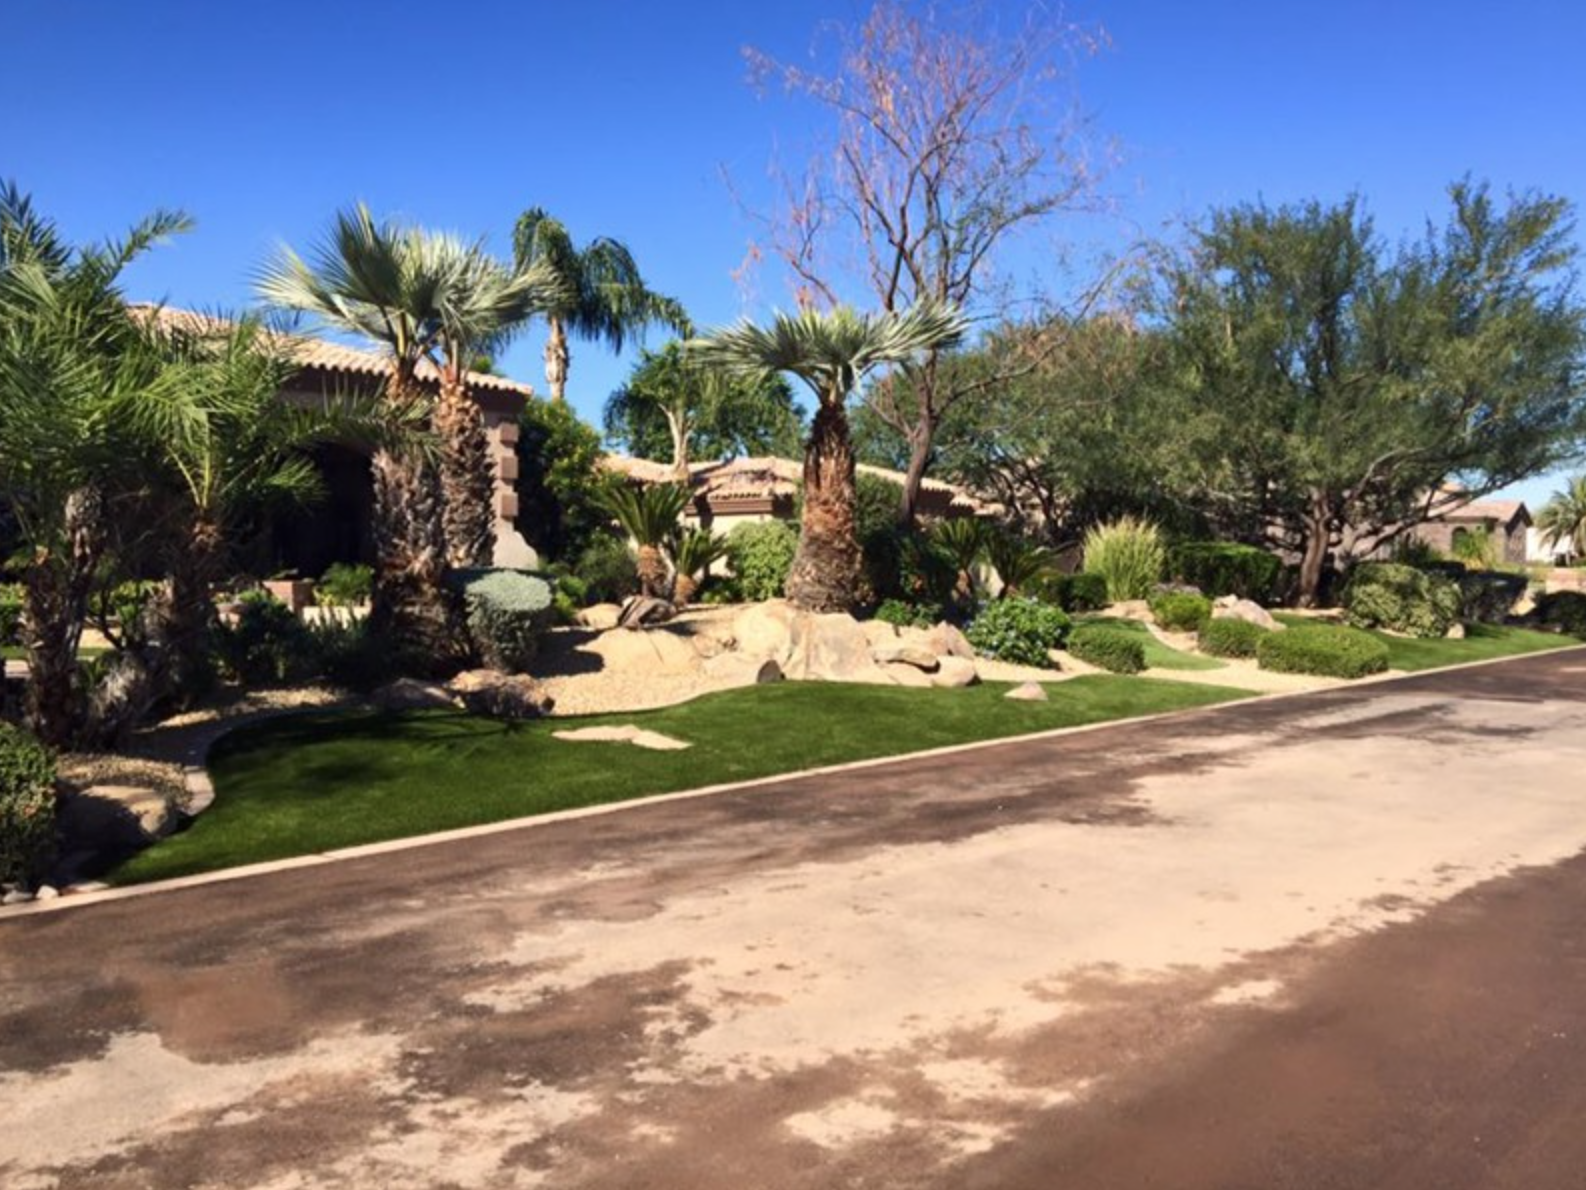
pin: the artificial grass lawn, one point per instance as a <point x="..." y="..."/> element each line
<point x="320" y="781"/>
<point x="1483" y="642"/>
<point x="1157" y="654"/>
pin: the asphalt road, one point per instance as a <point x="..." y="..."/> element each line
<point x="1337" y="940"/>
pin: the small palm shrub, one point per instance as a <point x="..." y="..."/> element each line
<point x="1128" y="554"/>
<point x="1222" y="568"/>
<point x="1180" y="611"/>
<point x="10" y="613"/>
<point x="962" y="541"/>
<point x="1019" y="563"/>
<point x="1112" y="649"/>
<point x="1230" y="638"/>
<point x="760" y="556"/>
<point x="1022" y="631"/>
<point x="507" y="613"/>
<point x="1401" y="599"/>
<point x="903" y="614"/>
<point x="345" y="584"/>
<point x="648" y="513"/>
<point x="27" y="804"/>
<point x="1323" y="650"/>
<point x="1565" y="611"/>
<point x="695" y="551"/>
<point x="266" y="645"/>
<point x="608" y="569"/>
<point x="1074" y="592"/>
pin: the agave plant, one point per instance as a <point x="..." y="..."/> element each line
<point x="1019" y="563"/>
<point x="649" y="515"/>
<point x="962" y="540"/>
<point x="694" y="551"/>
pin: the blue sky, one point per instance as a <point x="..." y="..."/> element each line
<point x="621" y="116"/>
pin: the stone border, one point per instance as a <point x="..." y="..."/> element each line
<point x="390" y="846"/>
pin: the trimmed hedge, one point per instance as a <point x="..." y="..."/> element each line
<point x="27" y="804"/>
<point x="1112" y="649"/>
<point x="1229" y="637"/>
<point x="1324" y="651"/>
<point x="507" y="612"/>
<point x="760" y="556"/>
<point x="1402" y="599"/>
<point x="1019" y="630"/>
<point x="1179" y="611"/>
<point x="1075" y="592"/>
<point x="1225" y="568"/>
<point x="1564" y="610"/>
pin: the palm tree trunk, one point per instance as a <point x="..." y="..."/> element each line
<point x="652" y="572"/>
<point x="557" y="358"/>
<point x="55" y="608"/>
<point x="825" y="572"/>
<point x="684" y="589"/>
<point x="190" y="611"/>
<point x="467" y="481"/>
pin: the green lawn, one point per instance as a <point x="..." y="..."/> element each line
<point x="1157" y="654"/>
<point x="1483" y="642"/>
<point x="18" y="653"/>
<point x="319" y="781"/>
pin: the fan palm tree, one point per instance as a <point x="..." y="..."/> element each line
<point x="74" y="370"/>
<point x="831" y="352"/>
<point x="648" y="514"/>
<point x="1562" y="519"/>
<point x="604" y="296"/>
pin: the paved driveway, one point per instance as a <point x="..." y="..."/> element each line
<point x="1335" y="940"/>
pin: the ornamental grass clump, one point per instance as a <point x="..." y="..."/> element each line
<point x="27" y="804"/>
<point x="1021" y="631"/>
<point x="1128" y="554"/>
<point x="1112" y="649"/>
<point x="1323" y="651"/>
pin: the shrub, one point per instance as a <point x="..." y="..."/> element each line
<point x="349" y="655"/>
<point x="904" y="614"/>
<point x="27" y="803"/>
<point x="1225" y="568"/>
<point x="1323" y="650"/>
<point x="1230" y="638"/>
<point x="1488" y="596"/>
<point x="1075" y="592"/>
<point x="267" y="644"/>
<point x="1019" y="630"/>
<point x="1564" y="610"/>
<point x="507" y="612"/>
<point x="1179" y="611"/>
<point x="10" y="613"/>
<point x="608" y="569"/>
<point x="345" y="584"/>
<point x="1112" y="649"/>
<point x="1019" y="563"/>
<point x="761" y="554"/>
<point x="1401" y="598"/>
<point x="1129" y="556"/>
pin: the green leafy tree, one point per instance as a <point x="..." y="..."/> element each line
<point x="1562" y="519"/>
<point x="603" y="295"/>
<point x="673" y="409"/>
<point x="559" y="480"/>
<point x="831" y="352"/>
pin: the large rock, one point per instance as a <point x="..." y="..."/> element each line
<point x="881" y="634"/>
<point x="903" y="674"/>
<point x="643" y="611"/>
<point x="916" y="655"/>
<point x="1027" y="692"/>
<point x="734" y="669"/>
<point x="1231" y="607"/>
<point x="599" y="616"/>
<point x="659" y="650"/>
<point x="955" y="671"/>
<point x="409" y="694"/>
<point x="832" y="647"/>
<point x="501" y="695"/>
<point x="512" y="552"/>
<point x="947" y="641"/>
<point x="765" y="630"/>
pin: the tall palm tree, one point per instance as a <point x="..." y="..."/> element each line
<point x="605" y="298"/>
<point x="831" y="352"/>
<point x="479" y="304"/>
<point x="1563" y="518"/>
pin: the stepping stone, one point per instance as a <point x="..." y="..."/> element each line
<point x="625" y="734"/>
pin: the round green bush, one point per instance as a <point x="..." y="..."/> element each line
<point x="1112" y="649"/>
<point x="1021" y="631"/>
<point x="508" y="611"/>
<point x="1402" y="599"/>
<point x="267" y="644"/>
<point x="27" y="804"/>
<point x="1225" y="568"/>
<point x="1489" y="596"/>
<point x="1564" y="610"/>
<point x="1324" y="651"/>
<point x="760" y="555"/>
<point x="1180" y="611"/>
<point x="1230" y="638"/>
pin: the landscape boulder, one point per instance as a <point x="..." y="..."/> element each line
<point x="947" y="641"/>
<point x="832" y="647"/>
<point x="1027" y="692"/>
<point x="765" y="630"/>
<point x="955" y="671"/>
<point x="1231" y="607"/>
<point x="500" y="695"/>
<point x="660" y="650"/>
<point x="599" y="616"/>
<point x="916" y="655"/>
<point x="904" y="674"/>
<point x="410" y="694"/>
<point x="642" y="611"/>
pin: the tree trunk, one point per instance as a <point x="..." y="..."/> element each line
<point x="652" y="572"/>
<point x="677" y="426"/>
<point x="921" y="435"/>
<point x="467" y="479"/>
<point x="684" y="588"/>
<point x="1318" y="531"/>
<point x="55" y="607"/>
<point x="825" y="572"/>
<point x="190" y="613"/>
<point x="557" y="357"/>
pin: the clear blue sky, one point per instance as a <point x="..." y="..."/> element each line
<point x="619" y="116"/>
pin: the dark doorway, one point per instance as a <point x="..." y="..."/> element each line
<point x="336" y="528"/>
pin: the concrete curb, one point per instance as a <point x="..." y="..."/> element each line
<point x="100" y="896"/>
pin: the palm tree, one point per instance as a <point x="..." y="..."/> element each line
<point x="962" y="540"/>
<point x="1019" y="563"/>
<point x="367" y="279"/>
<point x="604" y="296"/>
<point x="479" y="304"/>
<point x="1562" y="519"/>
<point x="831" y="352"/>
<point x="648" y="514"/>
<point x="74" y="370"/>
<point x="694" y="551"/>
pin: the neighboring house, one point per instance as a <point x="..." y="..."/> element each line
<point x="337" y="529"/>
<point x="735" y="491"/>
<point x="1540" y="549"/>
<point x="1507" y="522"/>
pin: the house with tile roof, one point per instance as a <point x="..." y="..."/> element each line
<point x="1507" y="523"/>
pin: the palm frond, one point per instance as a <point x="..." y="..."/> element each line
<point x="647" y="513"/>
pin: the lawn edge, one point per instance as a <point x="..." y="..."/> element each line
<point x="457" y="834"/>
